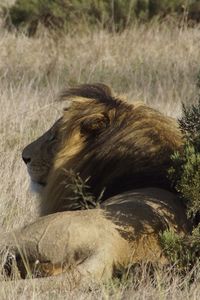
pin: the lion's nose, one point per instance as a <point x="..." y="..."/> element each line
<point x="26" y="159"/>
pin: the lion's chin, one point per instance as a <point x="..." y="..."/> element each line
<point x="36" y="187"/>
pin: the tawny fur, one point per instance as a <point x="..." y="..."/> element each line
<point x="114" y="145"/>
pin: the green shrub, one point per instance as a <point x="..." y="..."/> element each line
<point x="190" y="124"/>
<point x="184" y="252"/>
<point x="185" y="170"/>
<point x="74" y="14"/>
<point x="165" y="7"/>
<point x="66" y="14"/>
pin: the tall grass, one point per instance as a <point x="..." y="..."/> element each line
<point x="158" y="64"/>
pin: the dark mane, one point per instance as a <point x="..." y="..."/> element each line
<point x="98" y="91"/>
<point x="131" y="150"/>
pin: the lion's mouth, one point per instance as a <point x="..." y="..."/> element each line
<point x="38" y="176"/>
<point x="37" y="187"/>
<point x="42" y="183"/>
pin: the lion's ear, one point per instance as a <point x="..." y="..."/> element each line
<point x="94" y="124"/>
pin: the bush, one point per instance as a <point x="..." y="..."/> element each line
<point x="66" y="14"/>
<point x="184" y="252"/>
<point x="185" y="170"/>
<point x="73" y="14"/>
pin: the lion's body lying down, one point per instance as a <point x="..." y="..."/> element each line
<point x="116" y="147"/>
<point x="97" y="242"/>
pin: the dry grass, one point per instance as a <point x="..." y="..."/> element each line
<point x="158" y="64"/>
<point x="164" y="285"/>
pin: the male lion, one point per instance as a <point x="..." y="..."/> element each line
<point x="113" y="145"/>
<point x="122" y="152"/>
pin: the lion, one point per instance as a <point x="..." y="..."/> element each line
<point x="104" y="201"/>
<point x="113" y="145"/>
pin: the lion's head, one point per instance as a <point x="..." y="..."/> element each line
<point x="113" y="145"/>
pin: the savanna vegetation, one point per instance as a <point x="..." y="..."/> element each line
<point x="146" y="50"/>
<point x="185" y="176"/>
<point x="113" y="15"/>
